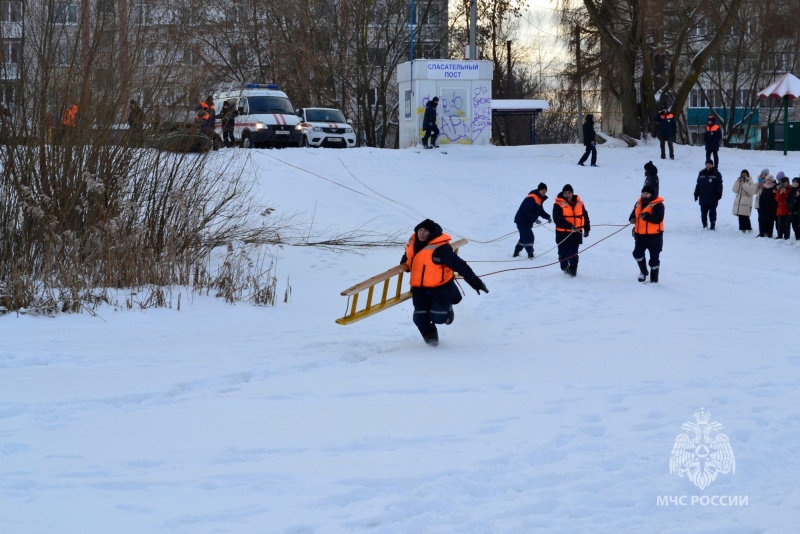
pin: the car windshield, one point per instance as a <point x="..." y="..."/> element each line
<point x="270" y="104"/>
<point x="324" y="115"/>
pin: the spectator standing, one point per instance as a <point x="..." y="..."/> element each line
<point x="589" y="141"/>
<point x="429" y="124"/>
<point x="782" y="224"/>
<point x="708" y="191"/>
<point x="794" y="207"/>
<point x="744" y="188"/>
<point x="768" y="207"/>
<point x="228" y="118"/>
<point x="712" y="138"/>
<point x="135" y="117"/>
<point x="666" y="132"/>
<point x="651" y="176"/>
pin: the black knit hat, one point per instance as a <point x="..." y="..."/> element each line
<point x="435" y="99"/>
<point x="428" y="224"/>
<point x="567" y="187"/>
<point x="709" y="161"/>
<point x="541" y="186"/>
<point x="649" y="168"/>
<point x="648" y="189"/>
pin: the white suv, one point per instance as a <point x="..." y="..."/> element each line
<point x="325" y="127"/>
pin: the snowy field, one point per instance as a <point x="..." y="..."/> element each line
<point x="551" y="405"/>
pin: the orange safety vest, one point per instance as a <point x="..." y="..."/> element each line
<point x="424" y="272"/>
<point x="572" y="214"/>
<point x="70" y="116"/>
<point x="644" y="227"/>
<point x="536" y="198"/>
<point x="712" y="128"/>
<point x="667" y="116"/>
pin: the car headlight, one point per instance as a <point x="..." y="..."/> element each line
<point x="261" y="126"/>
<point x="348" y="130"/>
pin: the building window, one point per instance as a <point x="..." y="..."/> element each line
<point x="10" y="11"/>
<point x="105" y="9"/>
<point x="142" y="14"/>
<point x="12" y="52"/>
<point x="64" y="14"/>
<point x="63" y="54"/>
<point x="151" y="55"/>
<point x="429" y="15"/>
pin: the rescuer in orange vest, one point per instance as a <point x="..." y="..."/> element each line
<point x="528" y="213"/>
<point x="70" y="117"/>
<point x="712" y="137"/>
<point x="432" y="261"/>
<point x="647" y="219"/>
<point x="572" y="225"/>
<point x="666" y="131"/>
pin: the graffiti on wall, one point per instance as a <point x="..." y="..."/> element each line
<point x="455" y="123"/>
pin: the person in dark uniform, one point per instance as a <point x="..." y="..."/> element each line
<point x="708" y="191"/>
<point x="527" y="215"/>
<point x="429" y="123"/>
<point x="648" y="233"/>
<point x="432" y="262"/>
<point x="572" y="225"/>
<point x="712" y="137"/>
<point x="589" y="141"/>
<point x="666" y="131"/>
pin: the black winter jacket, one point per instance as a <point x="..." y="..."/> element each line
<point x="709" y="186"/>
<point x="529" y="210"/>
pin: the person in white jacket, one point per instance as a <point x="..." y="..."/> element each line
<point x="744" y="188"/>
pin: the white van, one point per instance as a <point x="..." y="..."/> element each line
<point x="265" y="117"/>
<point x="326" y="127"/>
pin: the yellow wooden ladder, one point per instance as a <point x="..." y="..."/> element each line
<point x="392" y="279"/>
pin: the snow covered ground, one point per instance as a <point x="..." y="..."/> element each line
<point x="552" y="404"/>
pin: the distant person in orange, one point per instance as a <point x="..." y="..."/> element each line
<point x="70" y="117"/>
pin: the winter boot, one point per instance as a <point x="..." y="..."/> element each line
<point x="713" y="224"/>
<point x="517" y="250"/>
<point x="450" y="316"/>
<point x="642" y="270"/>
<point x="433" y="141"/>
<point x="654" y="275"/>
<point x="572" y="270"/>
<point x="565" y="267"/>
<point x="431" y="336"/>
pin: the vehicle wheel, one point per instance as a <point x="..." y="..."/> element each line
<point x="246" y="142"/>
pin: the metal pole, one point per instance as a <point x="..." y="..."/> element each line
<point x="508" y="67"/>
<point x="473" y="23"/>
<point x="785" y="124"/>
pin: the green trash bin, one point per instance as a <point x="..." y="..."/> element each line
<point x="777" y="138"/>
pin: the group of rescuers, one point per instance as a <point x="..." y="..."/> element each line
<point x="432" y="262"/>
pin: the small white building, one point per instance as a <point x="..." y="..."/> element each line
<point x="464" y="88"/>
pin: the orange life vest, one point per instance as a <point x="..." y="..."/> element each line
<point x="572" y="214"/>
<point x="424" y="272"/>
<point x="712" y="128"/>
<point x="644" y="227"/>
<point x="668" y="116"/>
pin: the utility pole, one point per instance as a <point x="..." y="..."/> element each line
<point x="579" y="77"/>
<point x="508" y="67"/>
<point x="473" y="24"/>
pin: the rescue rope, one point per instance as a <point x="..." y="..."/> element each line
<point x="559" y="261"/>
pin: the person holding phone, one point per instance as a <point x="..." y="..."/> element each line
<point x="744" y="188"/>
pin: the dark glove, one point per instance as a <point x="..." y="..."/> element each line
<point x="586" y="233"/>
<point x="645" y="216"/>
<point x="632" y="220"/>
<point x="479" y="286"/>
<point x="573" y="229"/>
<point x="549" y="221"/>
